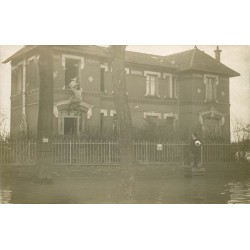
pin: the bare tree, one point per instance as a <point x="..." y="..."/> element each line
<point x="45" y="115"/>
<point x="3" y="126"/>
<point x="241" y="130"/>
<point x="127" y="187"/>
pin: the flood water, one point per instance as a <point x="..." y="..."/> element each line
<point x="212" y="188"/>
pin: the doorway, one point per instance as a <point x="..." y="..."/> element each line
<point x="70" y="126"/>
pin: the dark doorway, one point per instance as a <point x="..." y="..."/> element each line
<point x="70" y="126"/>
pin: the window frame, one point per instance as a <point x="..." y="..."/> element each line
<point x="172" y="86"/>
<point x="157" y="76"/>
<point x="80" y="66"/>
<point x="171" y="115"/>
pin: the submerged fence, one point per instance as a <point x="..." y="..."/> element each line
<point x="82" y="152"/>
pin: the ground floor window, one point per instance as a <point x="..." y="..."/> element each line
<point x="212" y="122"/>
<point x="170" y="122"/>
<point x="211" y="127"/>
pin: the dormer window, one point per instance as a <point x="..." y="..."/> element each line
<point x="211" y="83"/>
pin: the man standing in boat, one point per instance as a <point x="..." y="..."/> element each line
<point x="195" y="150"/>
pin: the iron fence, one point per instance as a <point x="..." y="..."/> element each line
<point x="82" y="152"/>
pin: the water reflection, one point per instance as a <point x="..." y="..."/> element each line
<point x="5" y="195"/>
<point x="239" y="192"/>
<point x="91" y="189"/>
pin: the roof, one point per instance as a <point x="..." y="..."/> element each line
<point x="131" y="57"/>
<point x="190" y="60"/>
<point x="148" y="59"/>
<point x="198" y="60"/>
<point x="20" y="52"/>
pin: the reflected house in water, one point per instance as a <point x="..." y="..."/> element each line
<point x="186" y="90"/>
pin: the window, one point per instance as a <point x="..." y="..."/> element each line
<point x="32" y="75"/>
<point x="103" y="114"/>
<point x="102" y="87"/>
<point x="17" y="79"/>
<point x="151" y="85"/>
<point x="152" y="120"/>
<point x="101" y="122"/>
<point x="72" y="70"/>
<point x="115" y="124"/>
<point x="212" y="122"/>
<point x="174" y="87"/>
<point x="170" y="122"/>
<point x="211" y="87"/>
<point x="211" y="127"/>
<point x="171" y="86"/>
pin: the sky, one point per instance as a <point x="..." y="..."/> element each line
<point x="235" y="57"/>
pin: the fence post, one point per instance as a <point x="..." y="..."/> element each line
<point x="182" y="153"/>
<point x="70" y="152"/>
<point x="109" y="151"/>
<point x="201" y="155"/>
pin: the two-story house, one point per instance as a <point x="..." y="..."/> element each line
<point x="188" y="91"/>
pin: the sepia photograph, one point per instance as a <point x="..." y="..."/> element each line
<point x="124" y="125"/>
<point x="88" y="124"/>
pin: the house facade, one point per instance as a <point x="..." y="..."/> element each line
<point x="188" y="91"/>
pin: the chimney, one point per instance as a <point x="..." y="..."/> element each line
<point x="217" y="53"/>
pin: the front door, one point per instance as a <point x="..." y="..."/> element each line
<point x="70" y="126"/>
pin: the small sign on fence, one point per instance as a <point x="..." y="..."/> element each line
<point x="159" y="147"/>
<point x="45" y="140"/>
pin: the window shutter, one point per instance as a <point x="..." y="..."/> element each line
<point x="147" y="85"/>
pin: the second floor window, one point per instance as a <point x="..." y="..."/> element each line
<point x="32" y="75"/>
<point x="211" y="88"/>
<point x="17" y="79"/>
<point x="102" y="83"/>
<point x="72" y="71"/>
<point x="151" y="85"/>
<point x="171" y="86"/>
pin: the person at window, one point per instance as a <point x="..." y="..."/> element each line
<point x="76" y="98"/>
<point x="195" y="146"/>
<point x="74" y="84"/>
